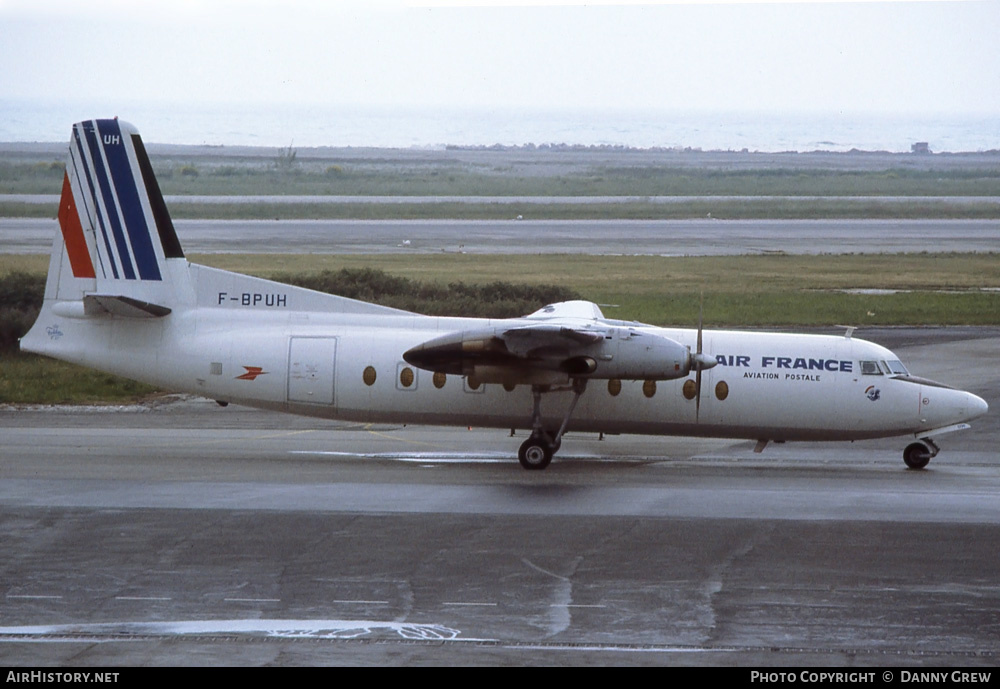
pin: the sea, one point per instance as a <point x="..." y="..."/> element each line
<point x="271" y="124"/>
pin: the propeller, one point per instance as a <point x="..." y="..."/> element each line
<point x="700" y="361"/>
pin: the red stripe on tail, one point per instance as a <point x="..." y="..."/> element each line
<point x="72" y="232"/>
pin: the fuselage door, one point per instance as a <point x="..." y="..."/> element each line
<point x="310" y="369"/>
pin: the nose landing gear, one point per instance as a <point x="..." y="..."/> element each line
<point x="917" y="455"/>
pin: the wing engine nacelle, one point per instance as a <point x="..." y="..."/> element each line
<point x="530" y="353"/>
<point x="642" y="355"/>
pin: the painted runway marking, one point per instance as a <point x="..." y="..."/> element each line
<point x="274" y="628"/>
<point x="30" y="597"/>
<point x="402" y="440"/>
<point x="470" y="604"/>
<point x="142" y="598"/>
<point x="252" y="600"/>
<point x="572" y="605"/>
<point x="415" y="457"/>
<point x="361" y="602"/>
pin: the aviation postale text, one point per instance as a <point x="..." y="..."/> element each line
<point x="275" y="299"/>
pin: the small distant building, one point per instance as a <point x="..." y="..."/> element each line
<point x="920" y="147"/>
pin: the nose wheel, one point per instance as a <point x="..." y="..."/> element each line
<point x="917" y="455"/>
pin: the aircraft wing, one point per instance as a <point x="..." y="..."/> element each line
<point x="542" y="341"/>
<point x="552" y="345"/>
<point x="544" y="346"/>
<point x="535" y="340"/>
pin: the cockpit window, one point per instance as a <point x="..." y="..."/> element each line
<point x="896" y="368"/>
<point x="870" y="368"/>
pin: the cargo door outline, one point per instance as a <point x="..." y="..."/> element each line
<point x="311" y="367"/>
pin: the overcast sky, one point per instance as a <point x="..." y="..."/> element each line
<point x="795" y="56"/>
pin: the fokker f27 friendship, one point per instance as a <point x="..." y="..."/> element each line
<point x="122" y="298"/>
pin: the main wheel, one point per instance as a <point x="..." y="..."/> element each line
<point x="535" y="453"/>
<point x="916" y="455"/>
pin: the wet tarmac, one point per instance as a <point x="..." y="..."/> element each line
<point x="182" y="533"/>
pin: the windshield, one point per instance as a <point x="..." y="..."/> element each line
<point x="895" y="368"/>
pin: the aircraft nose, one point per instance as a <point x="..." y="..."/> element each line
<point x="977" y="406"/>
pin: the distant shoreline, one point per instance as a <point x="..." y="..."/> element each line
<point x="323" y="151"/>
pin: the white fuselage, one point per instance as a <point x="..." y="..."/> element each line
<point x="262" y="352"/>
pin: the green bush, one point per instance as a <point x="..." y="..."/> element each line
<point x="19" y="290"/>
<point x="21" y="297"/>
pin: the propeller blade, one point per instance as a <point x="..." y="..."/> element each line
<point x="697" y="396"/>
<point x="701" y="310"/>
<point x="697" y="357"/>
<point x="700" y="361"/>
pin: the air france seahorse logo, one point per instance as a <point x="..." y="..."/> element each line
<point x="873" y="393"/>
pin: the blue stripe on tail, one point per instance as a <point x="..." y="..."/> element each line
<point x="107" y="193"/>
<point x="128" y="199"/>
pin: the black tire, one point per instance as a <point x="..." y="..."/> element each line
<point x="534" y="454"/>
<point x="916" y="455"/>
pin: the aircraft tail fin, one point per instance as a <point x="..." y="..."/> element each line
<point x="116" y="255"/>
<point x="116" y="236"/>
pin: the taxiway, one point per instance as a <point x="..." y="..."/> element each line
<point x="705" y="237"/>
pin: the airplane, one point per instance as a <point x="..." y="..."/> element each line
<point x="121" y="297"/>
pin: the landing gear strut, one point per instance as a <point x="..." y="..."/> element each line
<point x="917" y="455"/>
<point x="536" y="452"/>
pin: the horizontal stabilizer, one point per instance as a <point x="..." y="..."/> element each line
<point x="124" y="307"/>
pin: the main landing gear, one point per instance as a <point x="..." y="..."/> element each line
<point x="536" y="452"/>
<point x="917" y="455"/>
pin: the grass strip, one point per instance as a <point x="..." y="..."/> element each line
<point x="526" y="174"/>
<point x="750" y="209"/>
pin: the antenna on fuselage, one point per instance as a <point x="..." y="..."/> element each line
<point x="850" y="330"/>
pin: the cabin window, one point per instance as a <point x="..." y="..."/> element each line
<point x="722" y="390"/>
<point x="689" y="389"/>
<point x="870" y="368"/>
<point x="368" y="375"/>
<point x="508" y="386"/>
<point x="649" y="388"/>
<point x="406" y="376"/>
<point x="439" y="379"/>
<point x="614" y="387"/>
